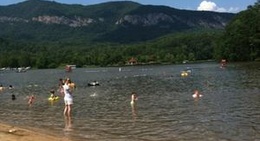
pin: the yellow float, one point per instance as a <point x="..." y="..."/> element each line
<point x="54" y="98"/>
<point x="184" y="73"/>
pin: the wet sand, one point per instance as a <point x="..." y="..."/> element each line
<point x="12" y="133"/>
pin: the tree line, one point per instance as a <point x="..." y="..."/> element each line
<point x="169" y="49"/>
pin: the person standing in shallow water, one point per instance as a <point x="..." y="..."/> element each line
<point x="68" y="99"/>
<point x="133" y="98"/>
<point x="31" y="100"/>
<point x="133" y="104"/>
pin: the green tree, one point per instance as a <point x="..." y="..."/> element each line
<point x="241" y="40"/>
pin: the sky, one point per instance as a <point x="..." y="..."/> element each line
<point x="231" y="6"/>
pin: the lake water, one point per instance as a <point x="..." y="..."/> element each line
<point x="165" y="111"/>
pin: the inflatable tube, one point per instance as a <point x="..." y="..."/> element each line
<point x="53" y="98"/>
<point x="184" y="73"/>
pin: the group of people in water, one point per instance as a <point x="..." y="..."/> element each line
<point x="2" y="87"/>
<point x="9" y="88"/>
<point x="66" y="87"/>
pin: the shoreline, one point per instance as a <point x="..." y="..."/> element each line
<point x="15" y="133"/>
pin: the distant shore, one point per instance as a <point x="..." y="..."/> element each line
<point x="12" y="133"/>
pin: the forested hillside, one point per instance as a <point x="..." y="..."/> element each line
<point x="241" y="40"/>
<point x="169" y="49"/>
<point x="110" y="34"/>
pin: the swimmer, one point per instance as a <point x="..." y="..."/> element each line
<point x="13" y="97"/>
<point x="196" y="94"/>
<point x="31" y="100"/>
<point x="52" y="94"/>
<point x="61" y="83"/>
<point x="223" y="63"/>
<point x="133" y="98"/>
<point x="1" y="87"/>
<point x="10" y="87"/>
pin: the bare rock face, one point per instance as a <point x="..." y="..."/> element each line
<point x="75" y="22"/>
<point x="159" y="19"/>
<point x="145" y="20"/>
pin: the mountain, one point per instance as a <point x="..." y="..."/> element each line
<point x="121" y="22"/>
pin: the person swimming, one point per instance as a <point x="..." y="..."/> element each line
<point x="10" y="87"/>
<point x="13" y="97"/>
<point x="223" y="63"/>
<point x="31" y="100"/>
<point x="196" y="94"/>
<point x="52" y="92"/>
<point x="1" y="87"/>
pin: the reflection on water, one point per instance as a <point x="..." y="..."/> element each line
<point x="67" y="128"/>
<point x="68" y="123"/>
<point x="165" y="110"/>
<point x="134" y="113"/>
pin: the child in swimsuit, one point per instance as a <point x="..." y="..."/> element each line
<point x="31" y="100"/>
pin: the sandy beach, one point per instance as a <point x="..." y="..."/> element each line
<point x="12" y="133"/>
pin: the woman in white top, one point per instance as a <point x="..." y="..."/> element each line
<point x="68" y="99"/>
